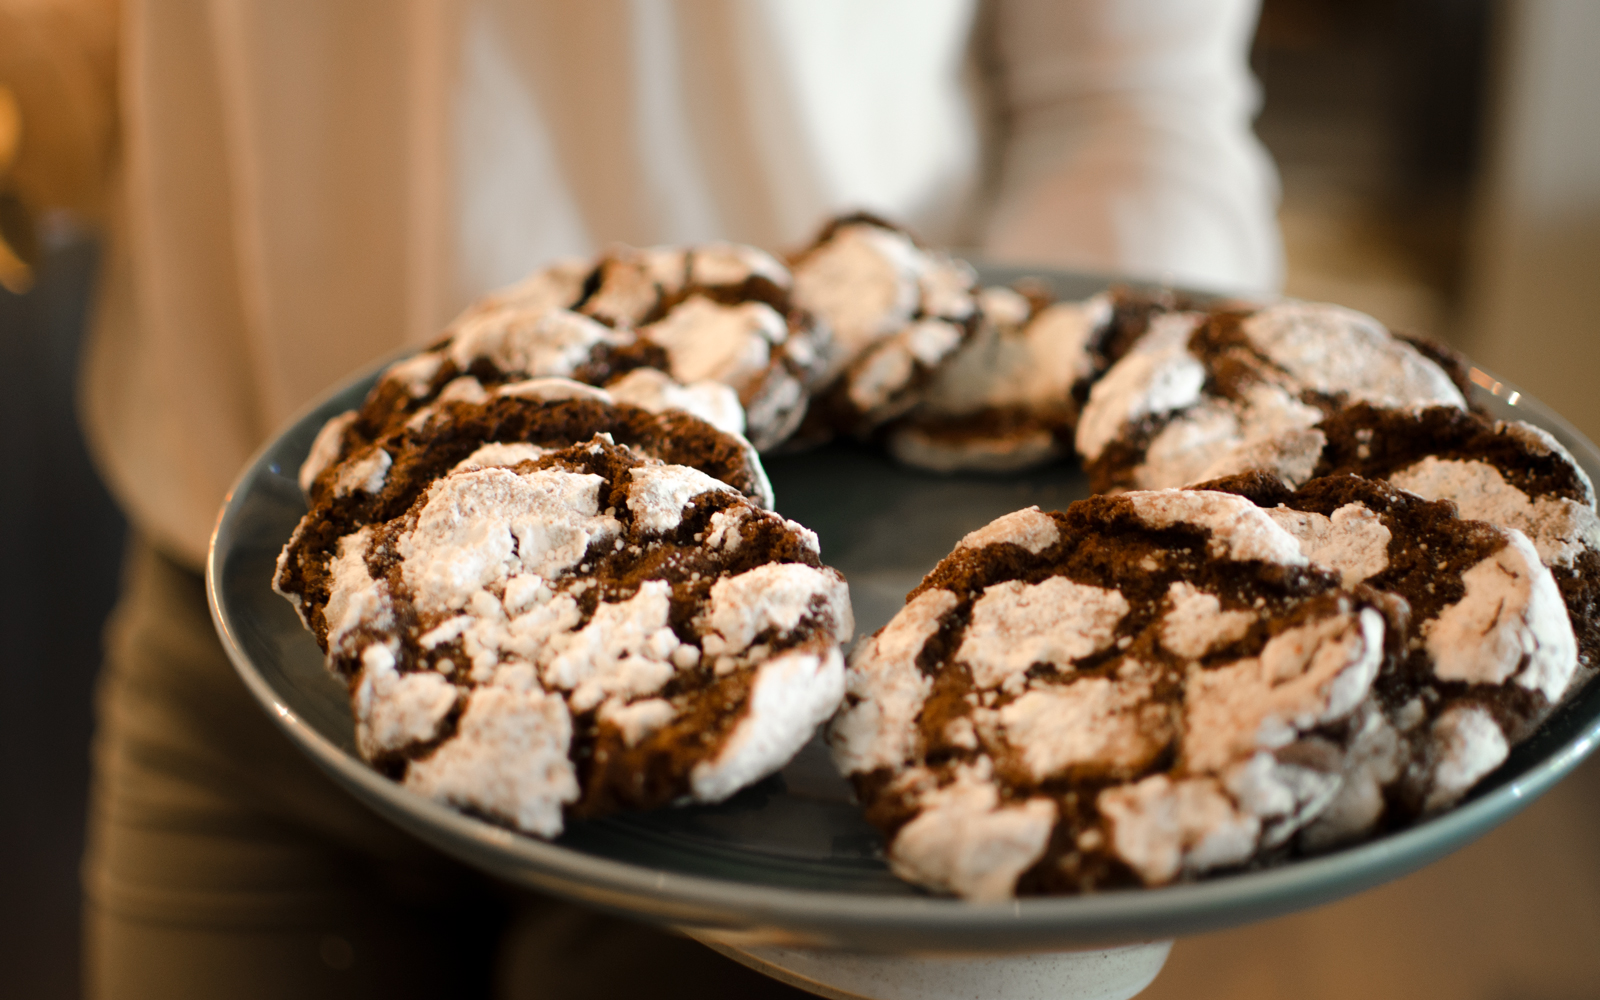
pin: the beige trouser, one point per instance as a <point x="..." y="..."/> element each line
<point x="222" y="863"/>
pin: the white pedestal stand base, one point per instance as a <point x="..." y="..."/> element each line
<point x="1106" y="974"/>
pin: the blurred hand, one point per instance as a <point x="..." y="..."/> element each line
<point x="57" y="119"/>
<point x="18" y="246"/>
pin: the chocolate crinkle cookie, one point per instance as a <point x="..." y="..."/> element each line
<point x="1206" y="394"/>
<point x="345" y="469"/>
<point x="897" y="310"/>
<point x="1487" y="648"/>
<point x="533" y="330"/>
<point x="534" y="628"/>
<point x="1140" y="689"/>
<point x="722" y="313"/>
<point x="1509" y="473"/>
<point x="1008" y="399"/>
<point x="707" y="329"/>
<point x="1133" y="309"/>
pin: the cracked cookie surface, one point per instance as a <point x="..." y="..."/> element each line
<point x="1202" y="395"/>
<point x="1485" y="648"/>
<point x="532" y="628"/>
<point x="1134" y="690"/>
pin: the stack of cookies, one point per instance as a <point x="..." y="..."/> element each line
<point x="549" y="603"/>
<point x="1317" y="596"/>
<point x="1129" y="693"/>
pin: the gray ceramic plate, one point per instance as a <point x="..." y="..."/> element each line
<point x="790" y="860"/>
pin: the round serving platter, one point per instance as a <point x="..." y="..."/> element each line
<point x="790" y="861"/>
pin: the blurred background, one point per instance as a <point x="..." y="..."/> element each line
<point x="1440" y="162"/>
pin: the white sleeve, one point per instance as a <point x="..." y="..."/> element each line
<point x="1128" y="146"/>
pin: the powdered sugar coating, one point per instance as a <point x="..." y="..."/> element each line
<point x="1470" y="745"/>
<point x="946" y="284"/>
<point x="1013" y="384"/>
<point x="1095" y="721"/>
<point x="625" y="651"/>
<point x="508" y="758"/>
<point x="1353" y="540"/>
<point x="1334" y="350"/>
<point x="553" y="388"/>
<point x="1160" y="827"/>
<point x="715" y="403"/>
<point x="462" y="389"/>
<point x="1561" y="529"/>
<point x="1221" y="435"/>
<point x="1285" y="797"/>
<point x="667" y="266"/>
<point x="1512" y="621"/>
<point x="591" y="332"/>
<point x="1239" y="529"/>
<point x="1060" y="665"/>
<point x="1476" y="610"/>
<point x="1372" y="763"/>
<point x="775" y="596"/>
<point x="355" y="598"/>
<point x="1057" y="621"/>
<point x="1054" y="353"/>
<point x="1187" y="448"/>
<point x="393" y="710"/>
<point x="790" y="697"/>
<point x="501" y="455"/>
<point x="557" y="285"/>
<point x="1157" y="376"/>
<point x="632" y="283"/>
<point x="532" y="625"/>
<point x="716" y="313"/>
<point x="1306" y="676"/>
<point x="746" y="346"/>
<point x="529" y="340"/>
<point x="1196" y="623"/>
<point x="879" y="728"/>
<point x="325" y="448"/>
<point x="638" y="720"/>
<point x="415" y="374"/>
<point x="1011" y="364"/>
<point x="775" y="406"/>
<point x="1291" y="456"/>
<point x="707" y="340"/>
<point x="889" y="366"/>
<point x="863" y="282"/>
<point x="896" y="313"/>
<point x="726" y="264"/>
<point x="477" y="528"/>
<point x="1004" y="309"/>
<point x="1030" y="528"/>
<point x="365" y="473"/>
<point x="965" y="841"/>
<point x="657" y="493"/>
